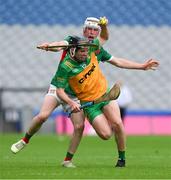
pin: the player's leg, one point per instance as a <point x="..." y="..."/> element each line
<point x="98" y="120"/>
<point x="78" y="124"/>
<point x="49" y="104"/>
<point x="102" y="127"/>
<point x="112" y="113"/>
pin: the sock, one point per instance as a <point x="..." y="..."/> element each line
<point x="68" y="157"/>
<point x="26" y="138"/>
<point x="121" y="155"/>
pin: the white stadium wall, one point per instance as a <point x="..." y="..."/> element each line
<point x="24" y="66"/>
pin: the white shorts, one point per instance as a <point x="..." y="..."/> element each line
<point x="52" y="92"/>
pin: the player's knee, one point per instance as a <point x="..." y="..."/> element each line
<point x="79" y="127"/>
<point x="117" y="125"/>
<point x="105" y="135"/>
<point x="42" y="117"/>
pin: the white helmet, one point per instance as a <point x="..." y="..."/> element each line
<point x="92" y="22"/>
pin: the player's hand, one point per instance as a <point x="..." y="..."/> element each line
<point x="103" y="21"/>
<point x="151" y="64"/>
<point x="75" y="107"/>
<point x="43" y="46"/>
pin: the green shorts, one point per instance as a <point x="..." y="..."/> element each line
<point x="92" y="111"/>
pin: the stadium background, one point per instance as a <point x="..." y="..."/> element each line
<point x="138" y="30"/>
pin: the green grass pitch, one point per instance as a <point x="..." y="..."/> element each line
<point x="148" y="157"/>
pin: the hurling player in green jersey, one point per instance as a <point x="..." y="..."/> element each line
<point x="70" y="69"/>
<point x="121" y="63"/>
<point x="92" y="28"/>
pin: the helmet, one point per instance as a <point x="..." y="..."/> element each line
<point x="76" y="41"/>
<point x="92" y="22"/>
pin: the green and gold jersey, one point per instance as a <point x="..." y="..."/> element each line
<point x="85" y="80"/>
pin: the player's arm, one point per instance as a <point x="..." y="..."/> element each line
<point x="104" y="34"/>
<point x="60" y="80"/>
<point x="75" y="107"/>
<point x="127" y="64"/>
<point x="45" y="46"/>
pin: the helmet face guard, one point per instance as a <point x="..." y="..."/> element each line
<point x="79" y="54"/>
<point x="74" y="41"/>
<point x="78" y="43"/>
